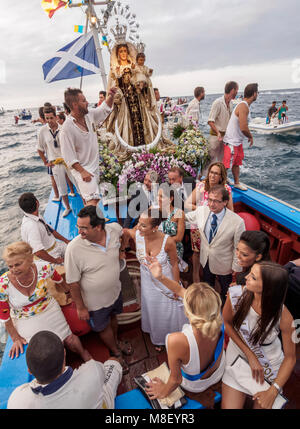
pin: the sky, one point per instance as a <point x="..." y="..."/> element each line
<point x="189" y="43"/>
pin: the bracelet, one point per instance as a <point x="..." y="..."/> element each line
<point x="277" y="387"/>
<point x="67" y="293"/>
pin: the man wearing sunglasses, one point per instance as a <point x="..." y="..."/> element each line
<point x="49" y="148"/>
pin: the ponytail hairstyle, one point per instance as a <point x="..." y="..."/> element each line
<point x="259" y="242"/>
<point x="275" y="283"/>
<point x="202" y="306"/>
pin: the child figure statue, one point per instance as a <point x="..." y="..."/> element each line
<point x="141" y="74"/>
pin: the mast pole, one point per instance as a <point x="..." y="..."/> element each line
<point x="85" y="31"/>
<point x="95" y="27"/>
<point x="93" y="20"/>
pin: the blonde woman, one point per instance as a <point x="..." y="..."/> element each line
<point x="196" y="356"/>
<point x="26" y="306"/>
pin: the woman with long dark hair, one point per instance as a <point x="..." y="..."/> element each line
<point x="254" y="246"/>
<point x="254" y="315"/>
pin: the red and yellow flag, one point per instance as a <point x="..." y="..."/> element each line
<point x="51" y="6"/>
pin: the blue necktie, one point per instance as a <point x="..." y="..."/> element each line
<point x="213" y="228"/>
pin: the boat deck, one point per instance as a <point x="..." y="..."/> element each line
<point x="146" y="358"/>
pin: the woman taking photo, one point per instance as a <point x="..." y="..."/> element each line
<point x="162" y="312"/>
<point x="196" y="357"/>
<point x="254" y="316"/>
<point x="216" y="175"/>
<point x="26" y="306"/>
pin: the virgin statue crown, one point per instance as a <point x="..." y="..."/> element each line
<point x="119" y="33"/>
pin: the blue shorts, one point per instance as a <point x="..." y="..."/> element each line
<point x="100" y="319"/>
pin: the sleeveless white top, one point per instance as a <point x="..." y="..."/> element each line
<point x="234" y="135"/>
<point x="193" y="365"/>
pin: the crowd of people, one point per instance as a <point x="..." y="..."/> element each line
<point x="183" y="224"/>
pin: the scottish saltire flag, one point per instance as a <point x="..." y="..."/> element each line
<point x="78" y="58"/>
<point x="51" y="6"/>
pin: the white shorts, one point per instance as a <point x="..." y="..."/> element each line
<point x="88" y="190"/>
<point x="59" y="173"/>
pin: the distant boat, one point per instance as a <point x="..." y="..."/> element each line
<point x="25" y="115"/>
<point x="259" y="125"/>
<point x="2" y="111"/>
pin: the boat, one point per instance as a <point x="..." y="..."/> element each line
<point x="259" y="125"/>
<point x="25" y="115"/>
<point x="279" y="220"/>
<point x="2" y="111"/>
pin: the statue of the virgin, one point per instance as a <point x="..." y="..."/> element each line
<point x="135" y="120"/>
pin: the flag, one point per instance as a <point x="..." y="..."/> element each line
<point x="79" y="28"/>
<point x="104" y="41"/>
<point x="78" y="58"/>
<point x="51" y="6"/>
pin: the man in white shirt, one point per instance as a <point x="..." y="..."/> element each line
<point x="218" y="119"/>
<point x="49" y="150"/>
<point x="56" y="386"/>
<point x="236" y="132"/>
<point x="92" y="264"/>
<point x="79" y="141"/>
<point x="220" y="231"/>
<point x="193" y="109"/>
<point x="41" y="237"/>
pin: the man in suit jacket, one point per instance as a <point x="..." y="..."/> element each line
<point x="142" y="199"/>
<point x="220" y="231"/>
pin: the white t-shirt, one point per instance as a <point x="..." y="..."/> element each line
<point x="84" y="390"/>
<point x="46" y="143"/>
<point x="82" y="146"/>
<point x="34" y="233"/>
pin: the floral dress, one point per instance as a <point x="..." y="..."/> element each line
<point x="170" y="228"/>
<point x="36" y="312"/>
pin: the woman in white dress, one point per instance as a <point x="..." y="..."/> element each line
<point x="26" y="306"/>
<point x="196" y="355"/>
<point x="162" y="311"/>
<point x="254" y="316"/>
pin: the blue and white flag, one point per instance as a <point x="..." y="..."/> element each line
<point x="78" y="58"/>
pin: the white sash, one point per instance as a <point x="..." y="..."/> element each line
<point x="141" y="256"/>
<point x="269" y="374"/>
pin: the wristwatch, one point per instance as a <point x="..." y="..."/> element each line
<point x="277" y="387"/>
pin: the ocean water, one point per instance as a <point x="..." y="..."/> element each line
<point x="271" y="165"/>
